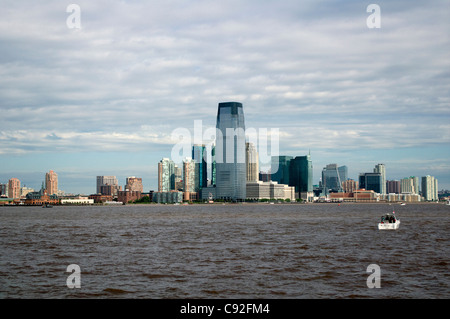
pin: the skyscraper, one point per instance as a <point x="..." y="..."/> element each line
<point x="370" y="181"/>
<point x="14" y="188"/>
<point x="393" y="187"/>
<point x="429" y="188"/>
<point x="51" y="183"/>
<point x="189" y="177"/>
<point x="166" y="175"/>
<point x="252" y="162"/>
<point x="213" y="165"/>
<point x="230" y="152"/>
<point x="332" y="177"/>
<point x="380" y="168"/>
<point x="280" y="169"/>
<point x="300" y="175"/>
<point x="201" y="168"/>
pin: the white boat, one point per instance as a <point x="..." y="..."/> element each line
<point x="389" y="221"/>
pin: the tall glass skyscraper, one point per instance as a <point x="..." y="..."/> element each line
<point x="166" y="175"/>
<point x="332" y="177"/>
<point x="230" y="152"/>
<point x="300" y="174"/>
<point x="201" y="168"/>
<point x="381" y="168"/>
<point x="279" y="169"/>
<point x="370" y="181"/>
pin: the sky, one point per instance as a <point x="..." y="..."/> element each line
<point x="103" y="97"/>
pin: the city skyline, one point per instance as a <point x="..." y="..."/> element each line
<point x="104" y="99"/>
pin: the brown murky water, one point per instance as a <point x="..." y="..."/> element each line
<point x="224" y="251"/>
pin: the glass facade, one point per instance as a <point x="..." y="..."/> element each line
<point x="371" y="181"/>
<point x="230" y="152"/>
<point x="300" y="174"/>
<point x="280" y="169"/>
<point x="201" y="168"/>
<point x="166" y="175"/>
<point x="332" y="177"/>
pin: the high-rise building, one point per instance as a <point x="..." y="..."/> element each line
<point x="213" y="165"/>
<point x="166" y="175"/>
<point x="252" y="162"/>
<point x="105" y="181"/>
<point x="280" y="169"/>
<point x="178" y="178"/>
<point x="230" y="152"/>
<point x="14" y="188"/>
<point x="134" y="184"/>
<point x="189" y="176"/>
<point x="51" y="183"/>
<point x="301" y="175"/>
<point x="410" y="185"/>
<point x="201" y="168"/>
<point x="370" y="181"/>
<point x="393" y="187"/>
<point x="332" y="178"/>
<point x="430" y="188"/>
<point x="381" y="168"/>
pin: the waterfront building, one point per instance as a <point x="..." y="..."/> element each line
<point x="230" y="152"/>
<point x="99" y="198"/>
<point x="393" y="187"/>
<point x="25" y="190"/>
<point x="349" y="186"/>
<point x="77" y="200"/>
<point x="213" y="165"/>
<point x="201" y="167"/>
<point x="127" y="196"/>
<point x="166" y="175"/>
<point x="257" y="190"/>
<point x="134" y="184"/>
<point x="108" y="181"/>
<point x="370" y="181"/>
<point x="332" y="178"/>
<point x="300" y="177"/>
<point x="430" y="188"/>
<point x="381" y="169"/>
<point x="14" y="188"/>
<point x="252" y="162"/>
<point x="178" y="178"/>
<point x="190" y="180"/>
<point x="280" y="169"/>
<point x="410" y="185"/>
<point x="170" y="197"/>
<point x="41" y="198"/>
<point x="4" y="190"/>
<point x="51" y="183"/>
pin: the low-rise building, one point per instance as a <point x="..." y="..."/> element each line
<point x="41" y="198"/>
<point x="170" y="197"/>
<point x="77" y="200"/>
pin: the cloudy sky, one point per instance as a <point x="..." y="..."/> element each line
<point x="104" y="99"/>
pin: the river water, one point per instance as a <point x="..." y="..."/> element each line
<point x="216" y="251"/>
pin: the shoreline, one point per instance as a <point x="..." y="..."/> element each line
<point x="235" y="204"/>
